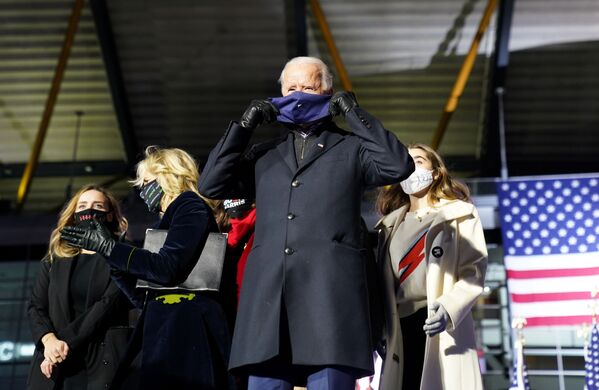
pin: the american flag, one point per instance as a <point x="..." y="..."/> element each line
<point x="592" y="360"/>
<point x="519" y="376"/>
<point x="550" y="228"/>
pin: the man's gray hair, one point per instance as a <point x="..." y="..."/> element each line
<point x="326" y="77"/>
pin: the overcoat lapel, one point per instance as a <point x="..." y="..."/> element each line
<point x="287" y="151"/>
<point x="325" y="141"/>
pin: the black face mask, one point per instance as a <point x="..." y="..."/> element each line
<point x="84" y="219"/>
<point x="151" y="194"/>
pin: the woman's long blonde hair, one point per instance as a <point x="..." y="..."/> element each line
<point x="444" y="187"/>
<point x="176" y="172"/>
<point x="59" y="248"/>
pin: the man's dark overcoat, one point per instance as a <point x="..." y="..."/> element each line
<point x="307" y="252"/>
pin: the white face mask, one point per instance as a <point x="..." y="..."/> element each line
<point x="418" y="180"/>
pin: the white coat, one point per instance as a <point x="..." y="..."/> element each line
<point x="454" y="277"/>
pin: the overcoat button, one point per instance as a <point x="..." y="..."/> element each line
<point x="288" y="251"/>
<point x="290" y="216"/>
<point x="105" y="362"/>
<point x="295" y="183"/>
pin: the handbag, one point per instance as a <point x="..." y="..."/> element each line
<point x="207" y="272"/>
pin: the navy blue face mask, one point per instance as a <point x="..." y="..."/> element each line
<point x="302" y="108"/>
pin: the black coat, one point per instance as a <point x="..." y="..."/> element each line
<point x="99" y="335"/>
<point x="184" y="345"/>
<point x="308" y="249"/>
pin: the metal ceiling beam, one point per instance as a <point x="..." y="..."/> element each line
<point x="327" y="35"/>
<point x="67" y="168"/>
<point x="59" y="71"/>
<point x="115" y="79"/>
<point x="463" y="76"/>
<point x="490" y="156"/>
<point x="464" y="163"/>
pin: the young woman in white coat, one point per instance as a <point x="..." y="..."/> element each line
<point x="433" y="271"/>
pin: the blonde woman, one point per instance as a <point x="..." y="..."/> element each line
<point x="78" y="316"/>
<point x="185" y="342"/>
<point x="435" y="260"/>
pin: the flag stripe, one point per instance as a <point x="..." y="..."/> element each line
<point x="552" y="308"/>
<point x="549" y="297"/>
<point x="573" y="260"/>
<point x="556" y="321"/>
<point x="559" y="285"/>
<point x="552" y="273"/>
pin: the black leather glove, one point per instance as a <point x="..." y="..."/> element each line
<point x="342" y="102"/>
<point x="98" y="239"/>
<point x="257" y="113"/>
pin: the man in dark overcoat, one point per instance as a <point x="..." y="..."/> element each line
<point x="304" y="312"/>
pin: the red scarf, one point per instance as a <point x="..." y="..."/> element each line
<point x="241" y="229"/>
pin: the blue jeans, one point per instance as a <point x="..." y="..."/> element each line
<point x="328" y="378"/>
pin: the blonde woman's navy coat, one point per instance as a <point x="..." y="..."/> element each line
<point x="184" y="342"/>
<point x="307" y="251"/>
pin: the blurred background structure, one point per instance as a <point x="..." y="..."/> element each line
<point x="86" y="85"/>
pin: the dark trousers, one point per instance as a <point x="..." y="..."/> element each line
<point x="280" y="374"/>
<point x="329" y="378"/>
<point x="414" y="342"/>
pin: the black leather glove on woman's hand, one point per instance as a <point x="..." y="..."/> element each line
<point x="342" y="102"/>
<point x="257" y="113"/>
<point x="98" y="239"/>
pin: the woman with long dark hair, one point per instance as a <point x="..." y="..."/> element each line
<point x="78" y="316"/>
